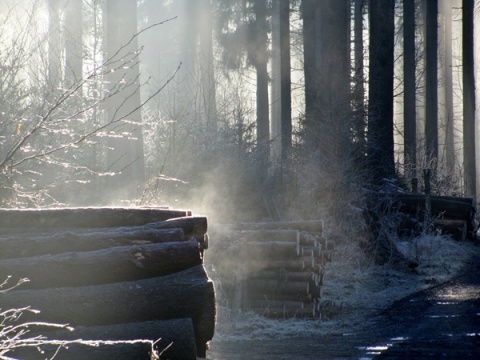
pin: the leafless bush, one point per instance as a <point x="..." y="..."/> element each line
<point x="54" y="133"/>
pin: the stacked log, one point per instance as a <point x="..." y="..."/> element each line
<point x="113" y="274"/>
<point x="178" y="342"/>
<point x="273" y="268"/>
<point x="450" y="215"/>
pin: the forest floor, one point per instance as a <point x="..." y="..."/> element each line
<point x="373" y="310"/>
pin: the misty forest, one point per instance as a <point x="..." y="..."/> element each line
<point x="360" y="113"/>
<point x="241" y="109"/>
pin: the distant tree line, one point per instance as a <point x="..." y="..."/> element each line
<point x="260" y="108"/>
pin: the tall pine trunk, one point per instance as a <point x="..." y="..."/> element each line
<point x="409" y="101"/>
<point x="468" y="98"/>
<point x="281" y="113"/>
<point x="431" y="80"/>
<point x="261" y="62"/>
<point x="207" y="71"/>
<point x="125" y="155"/>
<point x="333" y="67"/>
<point x="358" y="95"/>
<point x="309" y="9"/>
<point x="448" y="92"/>
<point x="380" y="105"/>
<point x="54" y="48"/>
<point x="327" y="79"/>
<point x="73" y="42"/>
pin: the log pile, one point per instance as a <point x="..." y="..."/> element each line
<point x="112" y="274"/>
<point x="274" y="268"/>
<point x="450" y="215"/>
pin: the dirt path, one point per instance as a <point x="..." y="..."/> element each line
<point x="442" y="322"/>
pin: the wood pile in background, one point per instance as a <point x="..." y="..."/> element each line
<point x="273" y="268"/>
<point x="113" y="273"/>
<point x="454" y="216"/>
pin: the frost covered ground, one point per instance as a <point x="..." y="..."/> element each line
<point x="355" y="289"/>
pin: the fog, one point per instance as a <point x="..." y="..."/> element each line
<point x="248" y="111"/>
<point x="157" y="103"/>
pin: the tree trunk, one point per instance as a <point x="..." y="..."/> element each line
<point x="208" y="71"/>
<point x="267" y="235"/>
<point x="431" y="80"/>
<point x="449" y="117"/>
<point x="125" y="155"/>
<point x="306" y="263"/>
<point x="276" y="91"/>
<point x="73" y="43"/>
<point x="189" y="35"/>
<point x="304" y="276"/>
<point x="447" y="207"/>
<point x="285" y="312"/>
<point x="333" y="67"/>
<point x="441" y="208"/>
<point x="315" y="226"/>
<point x="358" y="91"/>
<point x="469" y="127"/>
<point x="274" y="250"/>
<point x="281" y="82"/>
<point x="186" y="294"/>
<point x="260" y="303"/>
<point x="311" y="75"/>
<point x="380" y="106"/>
<point x="314" y="251"/>
<point x="85" y="217"/>
<point x="121" y="263"/>
<point x="261" y="62"/>
<point x="191" y="225"/>
<point x="31" y="244"/>
<point x="176" y="340"/>
<point x="54" y="48"/>
<point x="271" y="288"/>
<point x="409" y="84"/>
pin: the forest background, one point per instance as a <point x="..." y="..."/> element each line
<point x="237" y="109"/>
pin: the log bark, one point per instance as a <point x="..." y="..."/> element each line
<point x="191" y="225"/>
<point x="267" y="235"/>
<point x="61" y="218"/>
<point x="295" y="264"/>
<point x="176" y="338"/>
<point x="311" y="240"/>
<point x="33" y="242"/>
<point x="415" y="205"/>
<point x="29" y="244"/>
<point x="270" y="287"/>
<point x="290" y="304"/>
<point x="285" y="313"/>
<point x="327" y="256"/>
<point x="314" y="289"/>
<point x="256" y="297"/>
<point x="315" y="226"/>
<point x="186" y="294"/>
<point x="447" y="206"/>
<point x="457" y="229"/>
<point x="314" y="251"/>
<point x="318" y="277"/>
<point x="304" y="276"/>
<point x="330" y="245"/>
<point x="116" y="264"/>
<point x="274" y="250"/>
